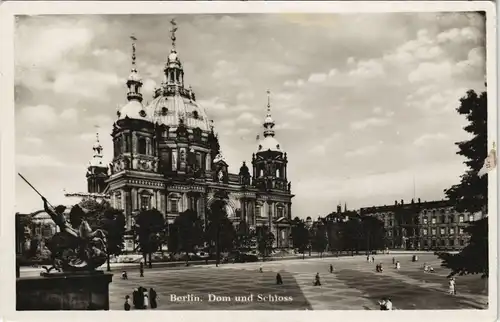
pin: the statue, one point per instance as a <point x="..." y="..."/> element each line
<point x="76" y="247"/>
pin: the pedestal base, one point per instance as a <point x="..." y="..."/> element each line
<point x="64" y="291"/>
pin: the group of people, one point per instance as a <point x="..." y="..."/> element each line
<point x="428" y="268"/>
<point x="142" y="299"/>
<point x="379" y="268"/>
<point x="385" y="304"/>
<point x="370" y="259"/>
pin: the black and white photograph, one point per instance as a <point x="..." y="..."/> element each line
<point x="257" y="159"/>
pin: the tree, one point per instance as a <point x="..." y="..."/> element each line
<point x="23" y="231"/>
<point x="189" y="231"/>
<point x="148" y="226"/>
<point x="373" y="233"/>
<point x="471" y="194"/>
<point x="114" y="225"/>
<point x="300" y="236"/>
<point x="319" y="238"/>
<point x="243" y="239"/>
<point x="220" y="231"/>
<point x="265" y="240"/>
<point x="94" y="211"/>
<point x="473" y="259"/>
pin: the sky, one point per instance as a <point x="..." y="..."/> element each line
<point x="364" y="104"/>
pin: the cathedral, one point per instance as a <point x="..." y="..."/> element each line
<point x="166" y="155"/>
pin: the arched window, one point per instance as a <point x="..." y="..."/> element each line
<point x="141" y="146"/>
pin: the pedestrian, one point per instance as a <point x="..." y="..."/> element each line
<point x="431" y="269"/>
<point x="124" y="275"/>
<point x="141" y="269"/>
<point x="146" y="298"/>
<point x="398" y="265"/>
<point x="382" y="304"/>
<point x="136" y="299"/>
<point x="380" y="268"/>
<point x="388" y="305"/>
<point x="452" y="286"/>
<point x="279" y="280"/>
<point x="317" y="281"/>
<point x="260" y="269"/>
<point x="331" y="268"/>
<point x="126" y="305"/>
<point x="368" y="258"/>
<point x="373" y="259"/>
<point x="393" y="261"/>
<point x="153" y="297"/>
<point x="377" y="268"/>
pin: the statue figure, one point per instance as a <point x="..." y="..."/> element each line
<point x="220" y="175"/>
<point x="289" y="186"/>
<point x="76" y="247"/>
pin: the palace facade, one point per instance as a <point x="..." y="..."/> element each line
<point x="423" y="225"/>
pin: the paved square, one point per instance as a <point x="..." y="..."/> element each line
<point x="353" y="286"/>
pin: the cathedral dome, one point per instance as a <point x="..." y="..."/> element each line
<point x="168" y="110"/>
<point x="133" y="110"/>
<point x="269" y="143"/>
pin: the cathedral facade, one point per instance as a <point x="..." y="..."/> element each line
<point x="167" y="156"/>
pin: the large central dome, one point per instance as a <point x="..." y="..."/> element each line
<point x="169" y="110"/>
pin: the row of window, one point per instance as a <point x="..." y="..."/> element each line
<point x="144" y="145"/>
<point x="443" y="242"/>
<point x="451" y="219"/>
<point x="433" y="231"/>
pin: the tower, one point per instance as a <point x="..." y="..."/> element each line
<point x="270" y="162"/>
<point x="97" y="172"/>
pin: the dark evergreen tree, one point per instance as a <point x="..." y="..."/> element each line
<point x="471" y="194"/>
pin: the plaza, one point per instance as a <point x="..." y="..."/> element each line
<point x="353" y="286"/>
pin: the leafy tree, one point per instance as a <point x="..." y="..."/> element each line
<point x="319" y="238"/>
<point x="300" y="235"/>
<point x="471" y="194"/>
<point x="243" y="238"/>
<point x="113" y="222"/>
<point x="189" y="231"/>
<point x="94" y="211"/>
<point x="265" y="240"/>
<point x="220" y="231"/>
<point x="373" y="233"/>
<point x="148" y="226"/>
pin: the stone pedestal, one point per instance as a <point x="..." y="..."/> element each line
<point x="64" y="291"/>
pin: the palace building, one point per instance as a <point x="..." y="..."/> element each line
<point x="167" y="156"/>
<point x="423" y="225"/>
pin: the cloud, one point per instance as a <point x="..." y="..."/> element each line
<point x="87" y="83"/>
<point x="428" y="71"/>
<point x="318" y="150"/>
<point x="213" y="104"/>
<point x="248" y="118"/>
<point x="38" y="117"/>
<point x="368" y="122"/>
<point x="38" y="161"/>
<point x="367" y="69"/>
<point x="429" y="138"/>
<point x="458" y="35"/>
<point x="362" y="151"/>
<point x="300" y="113"/>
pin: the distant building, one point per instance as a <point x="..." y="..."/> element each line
<point x="428" y="225"/>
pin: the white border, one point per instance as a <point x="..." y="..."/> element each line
<point x="7" y="167"/>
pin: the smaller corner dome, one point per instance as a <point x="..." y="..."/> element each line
<point x="269" y="143"/>
<point x="134" y="110"/>
<point x="97" y="145"/>
<point x="135" y="76"/>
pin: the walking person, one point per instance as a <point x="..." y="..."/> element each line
<point x="141" y="269"/>
<point x="279" y="280"/>
<point x="388" y="305"/>
<point x="382" y="304"/>
<point x="126" y="305"/>
<point x="124" y="275"/>
<point x="393" y="261"/>
<point x="153" y="297"/>
<point x="146" y="298"/>
<point x="331" y="268"/>
<point x="398" y="265"/>
<point x="452" y="286"/>
<point x="317" y="281"/>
